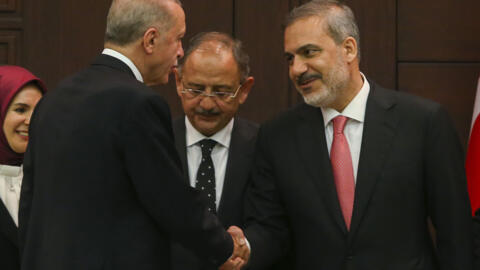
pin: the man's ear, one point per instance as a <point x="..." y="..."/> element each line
<point x="150" y="38"/>
<point x="245" y="90"/>
<point x="350" y="48"/>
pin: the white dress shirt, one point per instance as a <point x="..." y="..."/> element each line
<point x="10" y="184"/>
<point x="125" y="60"/>
<point x="219" y="154"/>
<point x="353" y="130"/>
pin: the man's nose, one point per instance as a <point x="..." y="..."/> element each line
<point x="298" y="66"/>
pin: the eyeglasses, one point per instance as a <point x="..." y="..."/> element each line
<point x="191" y="93"/>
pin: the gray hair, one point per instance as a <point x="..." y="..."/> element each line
<point x="128" y="20"/>
<point x="239" y="54"/>
<point x="340" y="21"/>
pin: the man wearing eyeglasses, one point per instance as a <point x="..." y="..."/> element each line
<point x="216" y="148"/>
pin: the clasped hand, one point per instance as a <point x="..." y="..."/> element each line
<point x="241" y="251"/>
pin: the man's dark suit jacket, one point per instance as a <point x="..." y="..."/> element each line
<point x="476" y="230"/>
<point x="102" y="182"/>
<point x="411" y="168"/>
<point x="239" y="164"/>
<point x="9" y="259"/>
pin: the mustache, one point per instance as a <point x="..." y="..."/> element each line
<point x="306" y="77"/>
<point x="203" y="112"/>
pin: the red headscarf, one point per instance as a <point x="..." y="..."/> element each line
<point x="12" y="80"/>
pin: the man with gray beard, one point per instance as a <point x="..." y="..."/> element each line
<point x="350" y="178"/>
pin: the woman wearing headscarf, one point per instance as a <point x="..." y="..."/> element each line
<point x="20" y="91"/>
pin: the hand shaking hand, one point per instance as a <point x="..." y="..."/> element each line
<point x="241" y="251"/>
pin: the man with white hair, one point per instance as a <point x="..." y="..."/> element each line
<point x="102" y="186"/>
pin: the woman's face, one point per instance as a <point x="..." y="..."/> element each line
<point x="17" y="118"/>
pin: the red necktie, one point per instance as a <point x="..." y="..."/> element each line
<point x="342" y="169"/>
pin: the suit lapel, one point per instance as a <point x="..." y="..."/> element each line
<point x="7" y="225"/>
<point x="180" y="143"/>
<point x="378" y="132"/>
<point x="314" y="153"/>
<point x="236" y="170"/>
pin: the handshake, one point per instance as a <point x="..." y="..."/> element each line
<point x="241" y="250"/>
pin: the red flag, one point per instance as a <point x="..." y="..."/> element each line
<point x="473" y="156"/>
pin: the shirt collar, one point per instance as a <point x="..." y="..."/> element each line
<point x="12" y="171"/>
<point x="355" y="109"/>
<point x="222" y="137"/>
<point x="125" y="60"/>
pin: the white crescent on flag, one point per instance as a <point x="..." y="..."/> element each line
<point x="472" y="164"/>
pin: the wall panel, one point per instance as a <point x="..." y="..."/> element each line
<point x="82" y="31"/>
<point x="452" y="85"/>
<point x="10" y="52"/>
<point x="11" y="14"/>
<point x="258" y="24"/>
<point x="41" y="47"/>
<point x="377" y="22"/>
<point x="10" y="6"/>
<point x="211" y="15"/>
<point x="438" y="30"/>
<point x="7" y="5"/>
<point x="10" y="32"/>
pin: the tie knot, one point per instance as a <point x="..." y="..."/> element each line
<point x="339" y="123"/>
<point x="207" y="146"/>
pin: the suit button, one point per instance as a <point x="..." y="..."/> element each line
<point x="350" y="255"/>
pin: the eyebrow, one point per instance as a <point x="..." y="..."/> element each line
<point x="307" y="46"/>
<point x="20" y="104"/>
<point x="221" y="86"/>
<point x="203" y="86"/>
<point x="191" y="84"/>
<point x="302" y="48"/>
